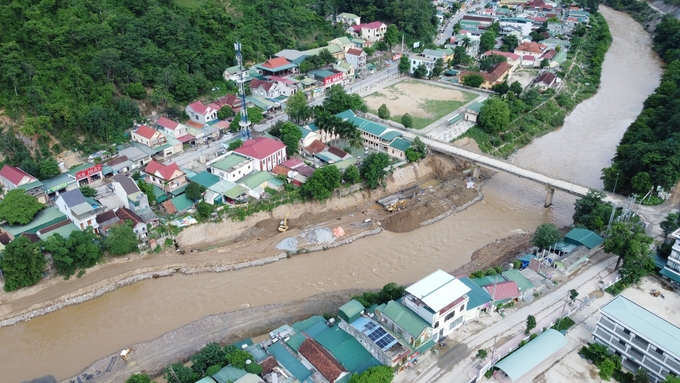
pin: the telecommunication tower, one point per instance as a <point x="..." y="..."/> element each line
<point x="244" y="123"/>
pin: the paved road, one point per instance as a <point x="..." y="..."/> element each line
<point x="513" y="323"/>
<point x="448" y="31"/>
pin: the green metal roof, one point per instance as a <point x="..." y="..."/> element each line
<point x="457" y="118"/>
<point x="670" y="275"/>
<point x="560" y="56"/>
<point x="333" y="48"/>
<point x="289" y="362"/>
<point x="46" y="217"/>
<point x="308" y="81"/>
<point x="159" y="193"/>
<point x="584" y="237"/>
<point x="488" y="280"/>
<point x="30" y="185"/>
<point x="323" y="73"/>
<point x="261" y="102"/>
<point x="178" y="191"/>
<point x="222" y="186"/>
<point x="57" y="183"/>
<point x="307" y="323"/>
<point x="256" y="179"/>
<point x="390" y="135"/>
<point x="229" y="374"/>
<point x="344" y="164"/>
<point x="405" y="318"/>
<point x="296" y="341"/>
<point x="207" y="379"/>
<point x="644" y="323"/>
<point x="532" y="354"/>
<point x="350" y="311"/>
<point x="362" y="123"/>
<point x="400" y="144"/>
<point x="181" y="202"/>
<point x="235" y="192"/>
<point x="478" y="296"/>
<point x="230" y="162"/>
<point x="475" y="106"/>
<point x="346" y="349"/>
<point x="523" y="283"/>
<point x="205" y="179"/>
<point x="64" y="231"/>
<point x="328" y="157"/>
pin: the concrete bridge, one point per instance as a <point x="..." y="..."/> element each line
<point x="551" y="184"/>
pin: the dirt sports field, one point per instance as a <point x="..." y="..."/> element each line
<point x="423" y="101"/>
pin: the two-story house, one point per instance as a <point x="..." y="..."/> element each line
<point x="672" y="268"/>
<point x="166" y="177"/>
<point x="417" y="60"/>
<point x="200" y="113"/>
<point x="266" y="152"/>
<point x="415" y="331"/>
<point x="172" y="128"/>
<point x="440" y="299"/>
<point x="374" y="31"/>
<point x="148" y="136"/>
<point x="356" y="57"/>
<point x="232" y="166"/>
<point x="348" y="18"/>
<point x="78" y="209"/>
<point x="14" y="178"/>
<point x="265" y="88"/>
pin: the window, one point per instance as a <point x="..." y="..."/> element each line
<point x="436" y="324"/>
<point x="448" y="317"/>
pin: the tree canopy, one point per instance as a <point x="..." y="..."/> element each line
<point x="373" y="169"/>
<point x="383" y="112"/>
<point x="194" y="191"/>
<point x="473" y="80"/>
<point x="290" y="136"/>
<point x="322" y="183"/>
<point x="337" y="100"/>
<point x="79" y="251"/>
<point x="297" y="108"/>
<point x="632" y="245"/>
<point x="546" y="235"/>
<point x="121" y="239"/>
<point x="494" y="115"/>
<point x="592" y="212"/>
<point x="22" y="264"/>
<point x="376" y="374"/>
<point x="138" y="378"/>
<point x="210" y="355"/>
<point x="19" y="208"/>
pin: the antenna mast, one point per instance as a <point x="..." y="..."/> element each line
<point x="244" y="123"/>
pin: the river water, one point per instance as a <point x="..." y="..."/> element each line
<point x="64" y="342"/>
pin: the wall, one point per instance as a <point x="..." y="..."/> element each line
<point x="376" y="351"/>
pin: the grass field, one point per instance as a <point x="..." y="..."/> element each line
<point x="426" y="103"/>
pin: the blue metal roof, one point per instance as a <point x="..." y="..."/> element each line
<point x="478" y="296"/>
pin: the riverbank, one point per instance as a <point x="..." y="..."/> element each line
<point x="254" y="242"/>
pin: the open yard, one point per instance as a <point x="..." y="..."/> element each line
<point x="425" y="102"/>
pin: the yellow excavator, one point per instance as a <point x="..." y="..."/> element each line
<point x="283" y="226"/>
<point x="396" y="205"/>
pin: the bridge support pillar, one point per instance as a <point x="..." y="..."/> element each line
<point x="549" y="196"/>
<point x="475" y="171"/>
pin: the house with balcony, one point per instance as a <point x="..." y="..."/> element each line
<point x="80" y="210"/>
<point x="171" y="128"/>
<point x="167" y="177"/>
<point x="132" y="198"/>
<point x="377" y="136"/>
<point x="264" y="88"/>
<point x="672" y="269"/>
<point x="232" y="166"/>
<point x="418" y="60"/>
<point x="441" y="300"/>
<point x="374" y="31"/>
<point x="266" y="152"/>
<point x="641" y="338"/>
<point x="356" y="57"/>
<point x="348" y="18"/>
<point x="200" y="113"/>
<point x="407" y="325"/>
<point x="14" y="178"/>
<point x="149" y="137"/>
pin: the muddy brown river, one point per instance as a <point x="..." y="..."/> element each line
<point x="64" y="342"/>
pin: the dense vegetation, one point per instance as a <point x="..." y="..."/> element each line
<point x="649" y="152"/>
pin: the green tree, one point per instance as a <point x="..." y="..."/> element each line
<point x="373" y="169"/>
<point x="290" y="136"/>
<point x="481" y="354"/>
<point x="204" y="209"/>
<point x="573" y="294"/>
<point x="326" y="56"/>
<point x="194" y="191"/>
<point x="671" y="379"/>
<point x="19" y="208"/>
<point x="237" y="358"/>
<point x="516" y="88"/>
<point x="79" y="251"/>
<point x="487" y="41"/>
<point x="306" y="66"/>
<point x="419" y="146"/>
<point x="210" y="355"/>
<point x="494" y="116"/>
<point x="391" y="36"/>
<point x="376" y="374"/>
<point x="297" y="107"/>
<point x="546" y="235"/>
<point x="225" y="112"/>
<point x="487" y="62"/>
<point x="640" y="376"/>
<point x="591" y="211"/>
<point x="88" y="191"/>
<point x="420" y="72"/>
<point x="438" y="68"/>
<point x="214" y="369"/>
<point x="351" y="175"/>
<point x="473" y="80"/>
<point x="321" y="184"/>
<point x="509" y="43"/>
<point x="632" y="245"/>
<point x="545" y="63"/>
<point x="501" y="88"/>
<point x="531" y="324"/>
<point x="383" y="112"/>
<point x="139" y="378"/>
<point x="641" y="183"/>
<point x="407" y="120"/>
<point x="412" y="155"/>
<point x="337" y="100"/>
<point x="235" y="145"/>
<point x="606" y="369"/>
<point x="254" y="368"/>
<point x="22" y="264"/>
<point x="49" y="168"/>
<point x="121" y="240"/>
<point x="404" y="64"/>
<point x="179" y="373"/>
<point x="136" y="90"/>
<point x="147" y="189"/>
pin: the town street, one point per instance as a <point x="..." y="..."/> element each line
<point x="448" y="31"/>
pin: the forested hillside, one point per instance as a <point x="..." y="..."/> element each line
<point x="72" y="69"/>
<point x="649" y="152"/>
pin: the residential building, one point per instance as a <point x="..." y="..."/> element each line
<point x="510" y="58"/>
<point x="415" y="331"/>
<point x="377" y="136"/>
<point x="15" y="178"/>
<point x="336" y="50"/>
<point x="310" y="133"/>
<point x="641" y="338"/>
<point x="120" y="164"/>
<point x="502" y="291"/>
<point x="278" y="66"/>
<point x="343" y="42"/>
<point x="374" y="31"/>
<point x="314" y="354"/>
<point x="171" y="128"/>
<point x="136" y="156"/>
<point x="348" y="71"/>
<point x="348" y="18"/>
<point x="356" y="57"/>
<point x="417" y="60"/>
<point x="530" y="49"/>
<point x="80" y="210"/>
<point x="264" y="88"/>
<point x="266" y="151"/>
<point x="557" y="28"/>
<point x="545" y="81"/>
<point x="148" y="136"/>
<point x="292" y="55"/>
<point x="232" y="166"/>
<point x="523" y="26"/>
<point x="133" y="199"/>
<point x="479" y="300"/>
<point x="440" y="299"/>
<point x="230" y="100"/>
<point x="434" y="54"/>
<point x="484" y="21"/>
<point x="327" y="78"/>
<point x="139" y="225"/>
<point x="286" y="85"/>
<point x="86" y="174"/>
<point x="672" y="268"/>
<point x="496" y="75"/>
<point x="167" y="177"/>
<point x="200" y="113"/>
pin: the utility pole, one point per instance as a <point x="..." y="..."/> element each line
<point x="244" y="123"/>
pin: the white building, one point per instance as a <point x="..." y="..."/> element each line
<point x="356" y="57"/>
<point x="641" y="338"/>
<point x="201" y="113"/>
<point x="170" y="127"/>
<point x="78" y="209"/>
<point x="417" y="61"/>
<point x="232" y="166"/>
<point x="348" y="18"/>
<point x="374" y="31"/>
<point x="672" y="269"/>
<point x="441" y="300"/>
<point x="266" y="152"/>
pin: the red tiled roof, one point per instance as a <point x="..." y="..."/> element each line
<point x="574" y="19"/>
<point x="167" y="123"/>
<point x="284" y="80"/>
<point x="255" y="83"/>
<point x="117" y="160"/>
<point x="214" y="106"/>
<point x="185" y="138"/>
<point x="194" y="124"/>
<point x="508" y="55"/>
<point x="504" y="290"/>
<point x="292" y="163"/>
<point x="55" y="226"/>
<point x="278" y="169"/>
<point x="539" y="19"/>
<point x="275" y="62"/>
<point x="198" y="107"/>
<point x="547" y="78"/>
<point x="478" y="18"/>
<point x="32" y="237"/>
<point x="15" y="175"/>
<point x="305" y="170"/>
<point x="337" y="151"/>
<point x="5" y="239"/>
<point x="165" y="171"/>
<point x="268" y="365"/>
<point x="260" y="148"/>
<point x="493" y="75"/>
<point x="146" y="131"/>
<point x="316" y="147"/>
<point x="105" y="216"/>
<point x="125" y="214"/>
<point x="532" y="47"/>
<point x="354" y="51"/>
<point x="169" y="207"/>
<point x="373" y="25"/>
<point x="529" y="58"/>
<point x="549" y="54"/>
<point x="321" y="359"/>
<point x="231" y="100"/>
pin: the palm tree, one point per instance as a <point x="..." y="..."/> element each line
<point x="466" y="43"/>
<point x="356" y="141"/>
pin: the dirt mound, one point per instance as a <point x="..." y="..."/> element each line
<point x="411" y="218"/>
<point x="497" y="252"/>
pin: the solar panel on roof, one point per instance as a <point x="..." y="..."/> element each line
<point x="377" y="334"/>
<point x="370" y="326"/>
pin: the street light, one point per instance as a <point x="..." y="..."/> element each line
<point x="616" y="182"/>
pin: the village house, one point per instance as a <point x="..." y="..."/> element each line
<point x="521" y="25"/>
<point x="479" y="300"/>
<point x="287" y="86"/>
<point x="374" y="31"/>
<point x="356" y="57"/>
<point x="545" y="81"/>
<point x="403" y="322"/>
<point x="326" y="78"/>
<point x="348" y="19"/>
<point x="167" y="177"/>
<point x="232" y="101"/>
<point x="266" y="152"/>
<point x="434" y="54"/>
<point x="200" y="113"/>
<point x="417" y="60"/>
<point x="496" y="75"/>
<point x="170" y="127"/>
<point x="14" y="178"/>
<point x="264" y="88"/>
<point x="347" y="70"/>
<point x="530" y="49"/>
<point x="136" y="156"/>
<point x="343" y="42"/>
<point x="120" y="164"/>
<point x="132" y="198"/>
<point x="148" y="136"/>
<point x="80" y="210"/>
<point x="232" y="166"/>
<point x="556" y="28"/>
<point x="317" y="356"/>
<point x="510" y="58"/>
<point x="278" y="66"/>
<point x="336" y="50"/>
<point x="377" y="136"/>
